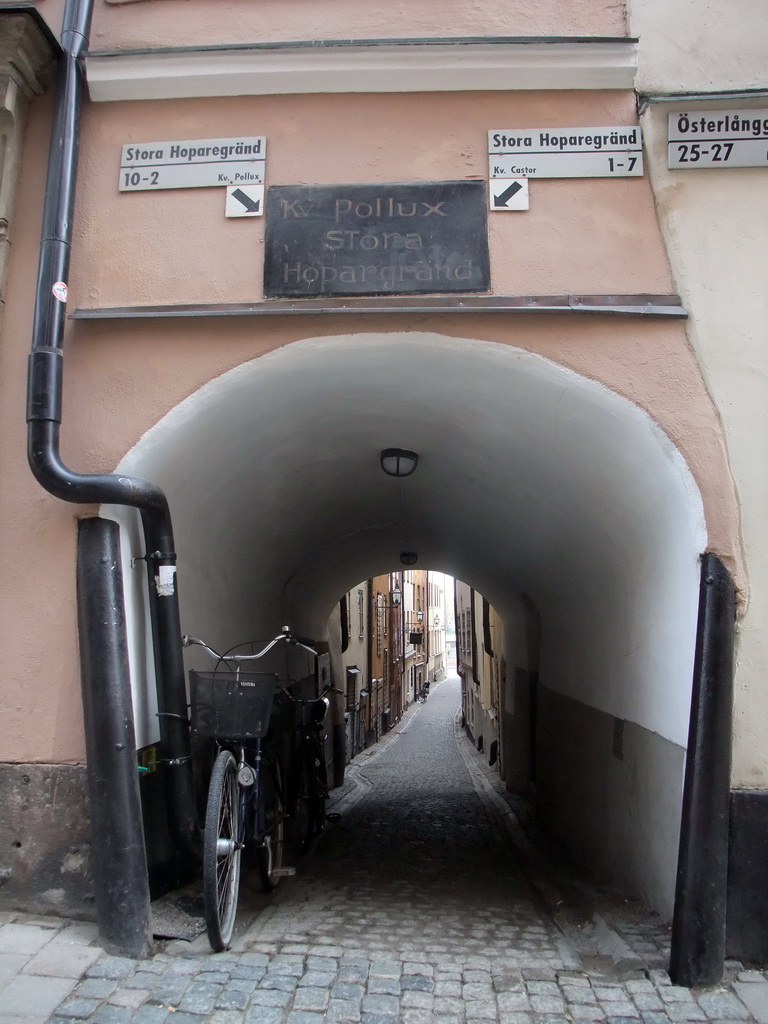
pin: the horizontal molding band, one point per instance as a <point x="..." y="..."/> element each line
<point x="367" y="66"/>
<point x="604" y="305"/>
<point x="702" y="97"/>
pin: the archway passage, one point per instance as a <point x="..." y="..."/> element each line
<point x="541" y="488"/>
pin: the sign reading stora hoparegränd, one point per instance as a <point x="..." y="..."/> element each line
<point x="194" y="163"/>
<point x="387" y="239"/>
<point x="565" y="152"/>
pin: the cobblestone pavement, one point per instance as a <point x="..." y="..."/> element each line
<point x="425" y="903"/>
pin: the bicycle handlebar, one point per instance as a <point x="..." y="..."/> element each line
<point x="286" y="635"/>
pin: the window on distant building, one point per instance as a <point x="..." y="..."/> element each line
<point x="344" y="621"/>
<point x="351" y="687"/>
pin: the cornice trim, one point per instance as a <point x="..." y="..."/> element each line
<point x="357" y="66"/>
<point x="27" y="49"/>
<point x="645" y="305"/>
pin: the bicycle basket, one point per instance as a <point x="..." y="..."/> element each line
<point x="235" y="707"/>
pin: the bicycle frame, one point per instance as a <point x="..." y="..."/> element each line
<point x="246" y="800"/>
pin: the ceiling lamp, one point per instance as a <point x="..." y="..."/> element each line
<point x="399" y="461"/>
<point x="408" y="557"/>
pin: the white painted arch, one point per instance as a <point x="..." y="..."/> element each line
<point x="531" y="479"/>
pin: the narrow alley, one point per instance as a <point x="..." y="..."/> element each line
<point x="415" y="866"/>
<point x="415" y="907"/>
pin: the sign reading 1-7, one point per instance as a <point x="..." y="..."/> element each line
<point x="197" y="163"/>
<point x="718" y="138"/>
<point x="565" y="152"/>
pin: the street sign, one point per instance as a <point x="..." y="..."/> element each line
<point x="717" y="138"/>
<point x="244" y="201"/>
<point x="508" y="194"/>
<point x="376" y="239"/>
<point x="196" y="163"/>
<point x="565" y="152"/>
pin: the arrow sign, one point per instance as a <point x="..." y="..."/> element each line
<point x="251" y="205"/>
<point x="245" y="201"/>
<point x="509" y="194"/>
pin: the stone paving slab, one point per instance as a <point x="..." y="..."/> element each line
<point x="10" y="965"/>
<point x="754" y="996"/>
<point x="23" y="938"/>
<point x="36" y="996"/>
<point x="62" y="958"/>
<point x="26" y="1018"/>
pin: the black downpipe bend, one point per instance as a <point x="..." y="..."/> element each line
<point x="44" y="418"/>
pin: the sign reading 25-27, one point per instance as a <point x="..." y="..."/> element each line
<point x="718" y="138"/>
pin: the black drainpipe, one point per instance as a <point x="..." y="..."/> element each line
<point x="44" y="419"/>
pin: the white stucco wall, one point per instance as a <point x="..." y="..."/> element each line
<point x="715" y="224"/>
<point x="690" y="46"/>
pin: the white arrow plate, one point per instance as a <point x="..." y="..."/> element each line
<point x="508" y="193"/>
<point x="244" y="201"/>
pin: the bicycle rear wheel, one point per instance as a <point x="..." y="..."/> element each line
<point x="321" y="781"/>
<point x="312" y="794"/>
<point x="269" y="852"/>
<point x="221" y="852"/>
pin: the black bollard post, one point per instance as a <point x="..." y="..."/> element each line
<point x="698" y="928"/>
<point x="119" y="863"/>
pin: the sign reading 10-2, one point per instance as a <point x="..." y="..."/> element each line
<point x="194" y="163"/>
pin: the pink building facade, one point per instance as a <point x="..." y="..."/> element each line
<point x="578" y="447"/>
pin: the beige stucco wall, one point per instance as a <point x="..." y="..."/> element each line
<point x="40" y="680"/>
<point x="175" y="245"/>
<point x="715" y="226"/>
<point x="714" y="223"/>
<point x="591" y="236"/>
<point x="160" y="23"/>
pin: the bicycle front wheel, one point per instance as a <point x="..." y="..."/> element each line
<point x="270" y="850"/>
<point x="222" y="847"/>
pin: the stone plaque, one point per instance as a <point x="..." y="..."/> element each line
<point x="388" y="239"/>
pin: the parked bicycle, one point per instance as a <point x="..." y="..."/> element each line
<point x="268" y="774"/>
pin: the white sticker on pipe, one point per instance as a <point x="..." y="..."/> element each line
<point x="60" y="291"/>
<point x="165" y="581"/>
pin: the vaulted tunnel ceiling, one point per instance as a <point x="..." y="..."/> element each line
<point x="530" y="479"/>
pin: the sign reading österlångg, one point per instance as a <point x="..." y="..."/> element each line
<point x="718" y="138"/>
<point x="387" y="239"/>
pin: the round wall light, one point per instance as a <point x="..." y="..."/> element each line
<point x="409" y="557"/>
<point x="398" y="461"/>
